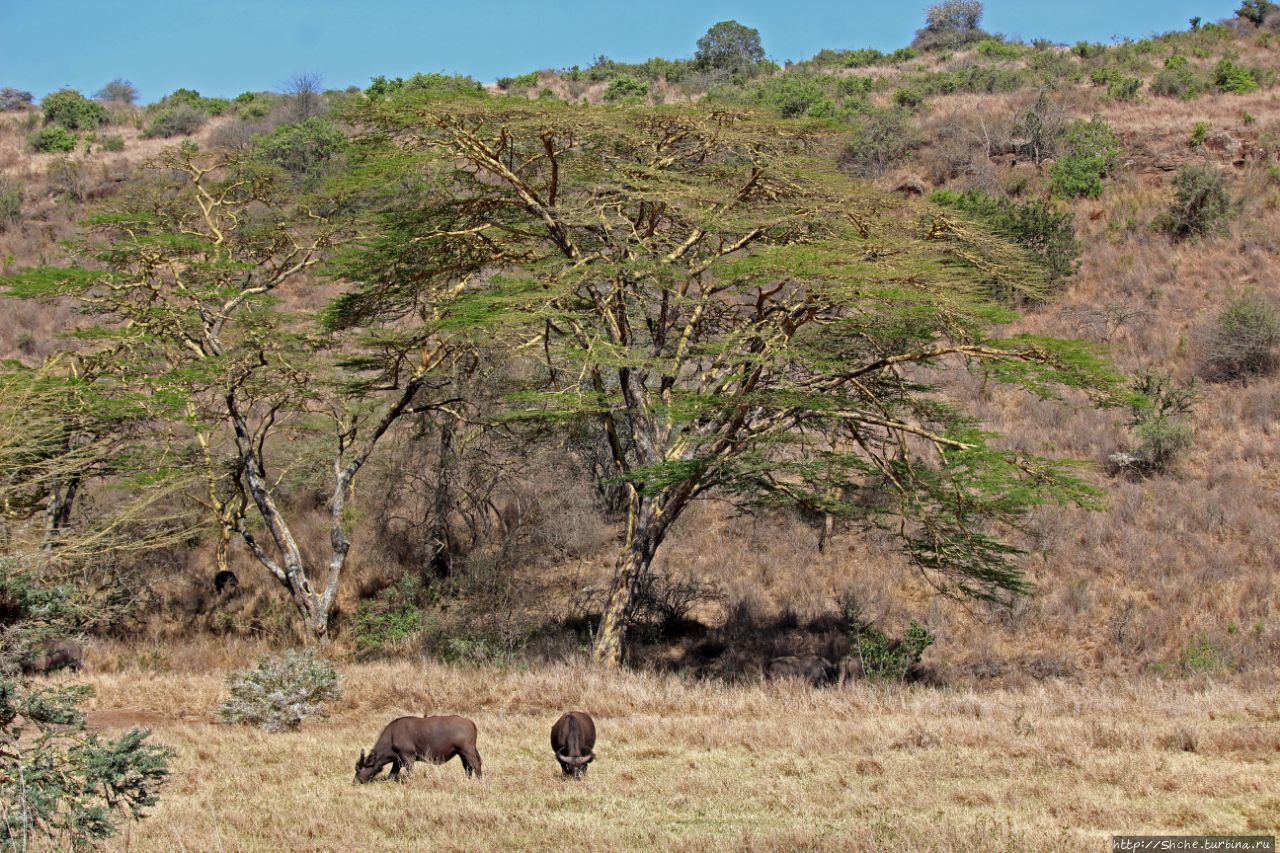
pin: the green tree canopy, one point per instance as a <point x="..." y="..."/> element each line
<point x="729" y="46"/>
<point x="733" y="314"/>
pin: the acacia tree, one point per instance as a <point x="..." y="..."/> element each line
<point x="188" y="280"/>
<point x="734" y="315"/>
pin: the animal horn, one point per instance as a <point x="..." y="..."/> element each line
<point x="361" y="761"/>
<point x="565" y="758"/>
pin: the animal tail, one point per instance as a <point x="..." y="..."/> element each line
<point x="575" y="743"/>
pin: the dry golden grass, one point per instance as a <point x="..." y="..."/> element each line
<point x="703" y="766"/>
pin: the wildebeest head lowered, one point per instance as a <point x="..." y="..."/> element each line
<point x="573" y="737"/>
<point x="53" y="655"/>
<point x="407" y="739"/>
<point x="814" y="669"/>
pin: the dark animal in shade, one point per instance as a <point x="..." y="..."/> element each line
<point x="573" y="737"/>
<point x="814" y="669"/>
<point x="409" y="739"/>
<point x="52" y="656"/>
<point x="225" y="580"/>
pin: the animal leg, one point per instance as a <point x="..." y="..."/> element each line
<point x="408" y="765"/>
<point x="470" y="762"/>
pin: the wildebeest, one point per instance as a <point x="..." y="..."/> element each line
<point x="814" y="669"/>
<point x="51" y="656"/>
<point x="407" y="739"/>
<point x="850" y="669"/>
<point x="225" y="579"/>
<point x="573" y="737"/>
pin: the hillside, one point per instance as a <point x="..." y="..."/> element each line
<point x="954" y="120"/>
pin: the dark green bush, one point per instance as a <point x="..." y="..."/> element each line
<point x="884" y="659"/>
<point x="1178" y="80"/>
<point x="181" y="120"/>
<point x="1243" y="340"/>
<point x="860" y="58"/>
<point x="53" y="139"/>
<point x="390" y="618"/>
<point x="61" y="786"/>
<point x="73" y="111"/>
<point x="1043" y="228"/>
<point x="1256" y="11"/>
<point x="1124" y="88"/>
<point x="626" y="88"/>
<point x="251" y="106"/>
<point x="524" y="81"/>
<point x="729" y="46"/>
<point x="1201" y="204"/>
<point x="112" y="143"/>
<point x="1091" y="153"/>
<point x="303" y="149"/>
<point x="1236" y="79"/>
<point x="430" y="84"/>
<point x="193" y="99"/>
<point x="796" y="94"/>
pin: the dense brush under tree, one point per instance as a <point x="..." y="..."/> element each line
<point x="733" y="314"/>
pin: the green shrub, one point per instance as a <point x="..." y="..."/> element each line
<point x="796" y="94"/>
<point x="879" y="139"/>
<point x="999" y="49"/>
<point x="1201" y="204"/>
<point x="10" y="203"/>
<point x="1236" y="79"/>
<point x="1124" y="88"/>
<point x="950" y="25"/>
<point x="181" y="120"/>
<point x="61" y="786"/>
<point x="251" y="106"/>
<point x="281" y="692"/>
<point x="53" y="139"/>
<point x="193" y="99"/>
<point x="1178" y="80"/>
<point x="392" y="617"/>
<point x="1092" y="152"/>
<point x="860" y="58"/>
<point x="1039" y="226"/>
<point x="112" y="143"/>
<point x="73" y="111"/>
<point x="884" y="659"/>
<point x="1088" y="50"/>
<point x="1161" y="408"/>
<point x="908" y="97"/>
<point x="14" y="99"/>
<point x="1256" y="11"/>
<point x="729" y="46"/>
<point x="429" y="84"/>
<point x="1199" y="134"/>
<point x="1244" y="339"/>
<point x="524" y="81"/>
<point x="626" y="88"/>
<point x="303" y="149"/>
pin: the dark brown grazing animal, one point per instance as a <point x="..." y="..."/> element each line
<point x="52" y="656"/>
<point x="813" y="669"/>
<point x="407" y="739"/>
<point x="573" y="737"/>
<point x="225" y="580"/>
<point x="850" y="669"/>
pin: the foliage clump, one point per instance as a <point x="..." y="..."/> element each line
<point x="1201" y="204"/>
<point x="951" y="25"/>
<point x="10" y="203"/>
<point x="390" y="618"/>
<point x="180" y="120"/>
<point x="68" y="108"/>
<point x="53" y="140"/>
<point x="729" y="46"/>
<point x="626" y="88"/>
<point x="1178" y="80"/>
<point x="1236" y="79"/>
<point x="1244" y="339"/>
<point x="1043" y="228"/>
<point x="1091" y="153"/>
<point x="1161" y="408"/>
<point x="118" y="91"/>
<point x="281" y="692"/>
<point x="60" y="784"/>
<point x="879" y="139"/>
<point x="304" y="149"/>
<point x="884" y="659"/>
<point x="15" y="99"/>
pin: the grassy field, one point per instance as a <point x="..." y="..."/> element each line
<point x="694" y="766"/>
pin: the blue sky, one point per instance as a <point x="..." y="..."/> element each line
<point x="224" y="48"/>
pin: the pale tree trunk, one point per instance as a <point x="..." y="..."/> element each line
<point x="441" y="535"/>
<point x="648" y="523"/>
